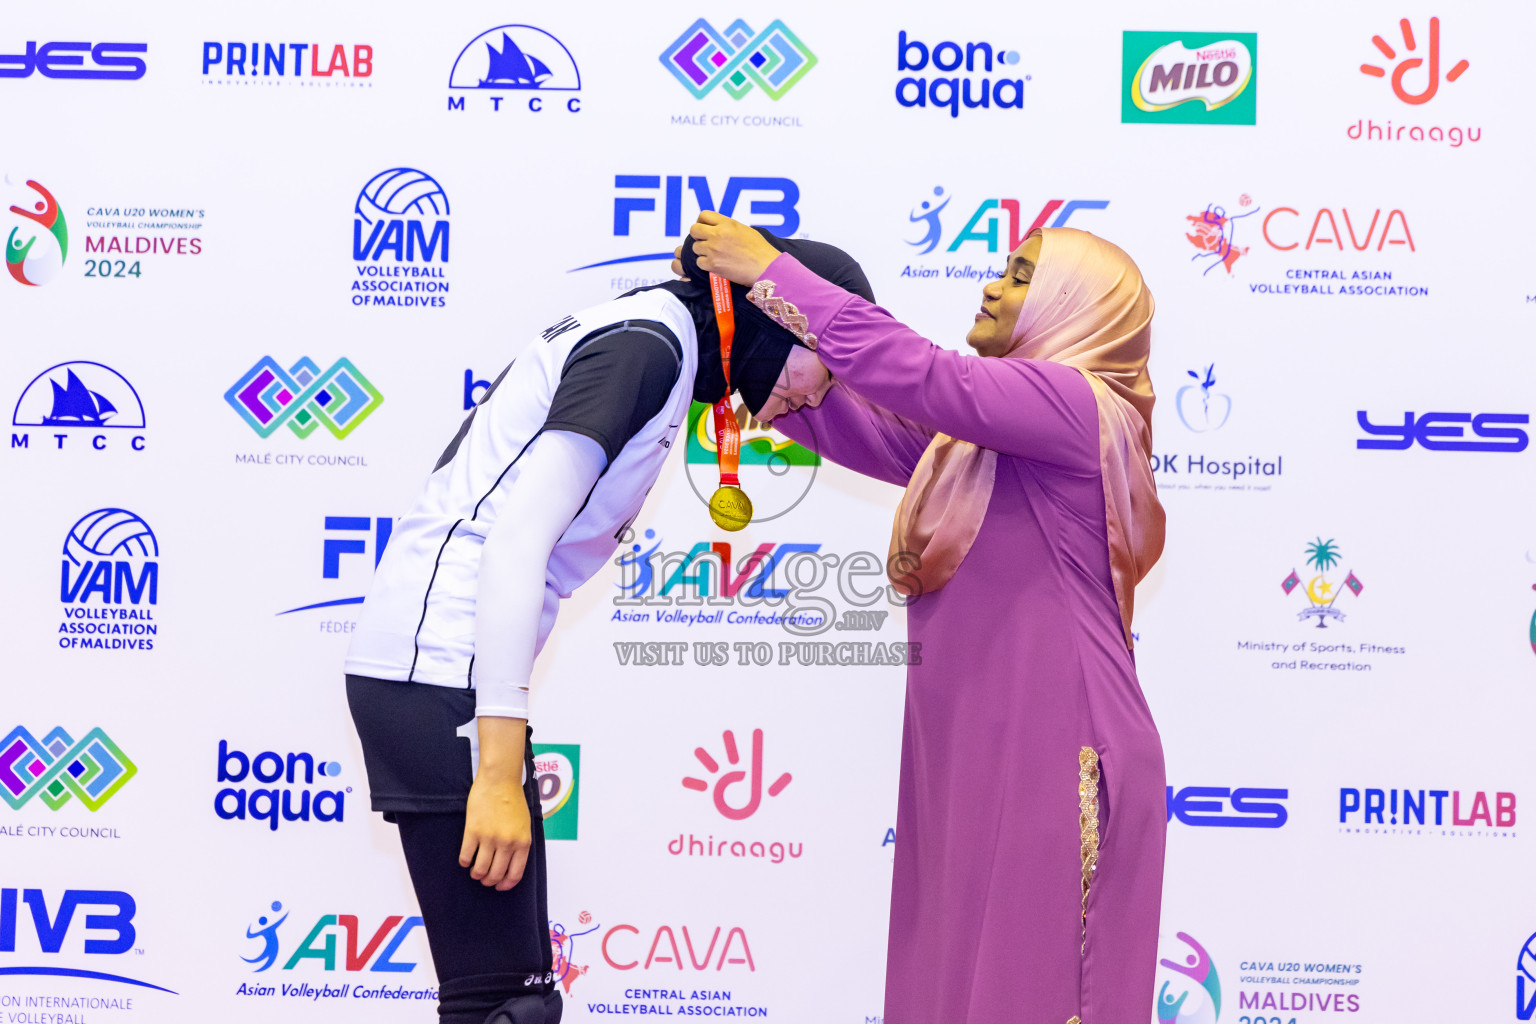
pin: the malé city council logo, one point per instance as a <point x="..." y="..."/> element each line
<point x="303" y="398"/>
<point x="1322" y="555"/>
<point x="57" y="768"/>
<point x="31" y="267"/>
<point x="738" y="59"/>
<point x="1189" y="77"/>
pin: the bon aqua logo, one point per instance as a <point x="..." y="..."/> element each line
<point x="28" y="262"/>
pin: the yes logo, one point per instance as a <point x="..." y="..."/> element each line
<point x="1410" y="45"/>
<point x="1447" y="432"/>
<point x="752" y="776"/>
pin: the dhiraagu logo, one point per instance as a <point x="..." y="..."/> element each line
<point x="1189" y="77"/>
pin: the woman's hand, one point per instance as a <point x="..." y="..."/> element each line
<point x="731" y="249"/>
<point x="497" y="831"/>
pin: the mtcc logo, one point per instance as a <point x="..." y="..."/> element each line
<point x="360" y="949"/>
<point x="37" y="267"/>
<point x="516" y="58"/>
<point x="1188" y="988"/>
<point x="1200" y="406"/>
<point x="303" y="398"/>
<point x="57" y="767"/>
<point x="79" y="395"/>
<point x="772" y="60"/>
<point x="1410" y="63"/>
<point x="1322" y="555"/>
<point x="751" y="775"/>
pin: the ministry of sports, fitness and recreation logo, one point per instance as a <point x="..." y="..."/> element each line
<point x="1322" y="555"/>
<point x="738" y="59"/>
<point x="402" y="213"/>
<point x="507" y="60"/>
<point x="1188" y="987"/>
<point x="557" y="772"/>
<point x="303" y="398"/>
<point x="36" y="248"/>
<point x="58" y="768"/>
<point x="1189" y="77"/>
<point x="109" y="583"/>
<point x="79" y="396"/>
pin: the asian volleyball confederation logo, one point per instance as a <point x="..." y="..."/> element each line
<point x="29" y="262"/>
<point x="1188" y="988"/>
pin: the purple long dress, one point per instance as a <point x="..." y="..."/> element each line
<point x="1023" y="666"/>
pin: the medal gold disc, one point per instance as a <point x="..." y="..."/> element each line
<point x="730" y="508"/>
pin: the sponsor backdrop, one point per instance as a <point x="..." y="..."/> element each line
<point x="262" y="257"/>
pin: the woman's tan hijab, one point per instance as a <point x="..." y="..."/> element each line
<point x="1087" y="307"/>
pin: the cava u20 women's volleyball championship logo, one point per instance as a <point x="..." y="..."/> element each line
<point x="1188" y="988"/>
<point x="1322" y="555"/>
<point x="29" y="262"/>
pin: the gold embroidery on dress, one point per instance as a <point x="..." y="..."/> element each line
<point x="1075" y="1020"/>
<point x="1088" y="821"/>
<point x="782" y="312"/>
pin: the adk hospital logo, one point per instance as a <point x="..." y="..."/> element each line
<point x="58" y="768"/>
<point x="109" y="583"/>
<point x="79" y="405"/>
<point x="401" y="214"/>
<point x="520" y="66"/>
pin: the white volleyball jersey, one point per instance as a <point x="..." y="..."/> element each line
<point x="418" y="622"/>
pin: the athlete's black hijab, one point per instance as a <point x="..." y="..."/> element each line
<point x="761" y="346"/>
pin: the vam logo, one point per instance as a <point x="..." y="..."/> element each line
<point x="1189" y="77"/>
<point x="80" y="396"/>
<point x="302" y="398"/>
<point x="738" y="60"/>
<point x="557" y="771"/>
<point x="402" y="213"/>
<point x="29" y="262"/>
<point x="1525" y="971"/>
<point x="516" y="59"/>
<point x="105" y="929"/>
<point x="58" y="768"/>
<point x="109" y="582"/>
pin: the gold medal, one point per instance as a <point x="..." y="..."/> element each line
<point x="730" y="508"/>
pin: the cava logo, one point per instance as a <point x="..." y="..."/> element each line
<point x="1322" y="555"/>
<point x="29" y="262"/>
<point x="109" y="582"/>
<point x="84" y="397"/>
<point x="1189" y="77"/>
<point x="557" y="770"/>
<point x="738" y="60"/>
<point x="58" y="768"/>
<point x="507" y="60"/>
<point x="302" y="398"/>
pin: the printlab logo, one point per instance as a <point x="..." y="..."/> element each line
<point x="1322" y="555"/>
<point x="29" y="262"/>
<point x="738" y="60"/>
<point x="285" y="798"/>
<point x="953" y="91"/>
<point x="79" y="396"/>
<point x="110" y="555"/>
<point x="557" y="772"/>
<point x="104" y="929"/>
<point x="984" y="227"/>
<point x="1189" y="77"/>
<point x="778" y="473"/>
<point x="1447" y="432"/>
<point x="107" y="61"/>
<point x="347" y="535"/>
<point x="1205" y="807"/>
<point x="272" y="63"/>
<point x="516" y="59"/>
<point x="401" y="213"/>
<point x="1424" y="807"/>
<point x="1200" y="406"/>
<point x="766" y="198"/>
<point x="1188" y="987"/>
<point x="320" y="944"/>
<point x="303" y="398"/>
<point x="752" y="775"/>
<point x="57" y="767"/>
<point x="1525" y="971"/>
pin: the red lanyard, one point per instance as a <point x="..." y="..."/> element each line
<point x="727" y="430"/>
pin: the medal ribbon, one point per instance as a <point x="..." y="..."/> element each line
<point x="727" y="430"/>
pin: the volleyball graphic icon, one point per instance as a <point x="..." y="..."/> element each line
<point x="110" y="533"/>
<point x="401" y="192"/>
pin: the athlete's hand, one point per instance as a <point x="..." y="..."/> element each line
<point x="677" y="263"/>
<point x="731" y="249"/>
<point x="497" y="831"/>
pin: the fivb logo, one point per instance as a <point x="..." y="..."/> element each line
<point x="401" y="213"/>
<point x="738" y="60"/>
<point x="277" y="802"/>
<point x="313" y="948"/>
<point x="347" y="535"/>
<point x="107" y="930"/>
<point x="302" y="398"/>
<point x="57" y="768"/>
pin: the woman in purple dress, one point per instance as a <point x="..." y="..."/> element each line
<point x="1031" y="811"/>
